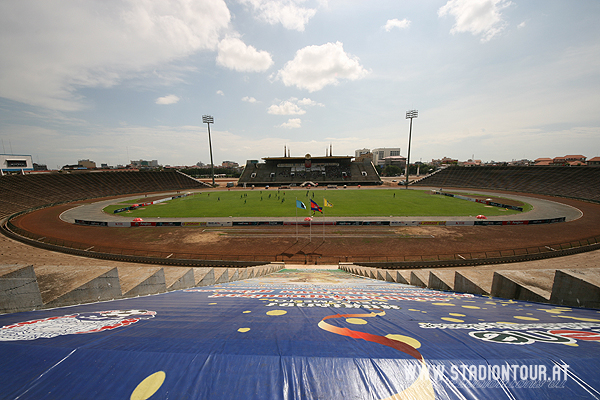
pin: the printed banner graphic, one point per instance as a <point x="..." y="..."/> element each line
<point x="302" y="334"/>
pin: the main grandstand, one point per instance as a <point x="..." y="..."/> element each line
<point x="300" y="171"/>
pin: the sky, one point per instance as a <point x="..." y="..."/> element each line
<point x="113" y="81"/>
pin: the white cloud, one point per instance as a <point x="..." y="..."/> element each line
<point x="52" y="49"/>
<point x="285" y="12"/>
<point x="395" y="23"/>
<point x="308" y="102"/>
<point x="522" y="25"/>
<point x="170" y="99"/>
<point x="315" y="67"/>
<point x="220" y="93"/>
<point x="249" y="99"/>
<point x="291" y="124"/>
<point x="285" y="108"/>
<point x="235" y="54"/>
<point x="479" y="17"/>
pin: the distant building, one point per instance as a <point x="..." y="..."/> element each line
<point x="380" y="154"/>
<point x="594" y="162"/>
<point x="444" y="161"/>
<point x="543" y="161"/>
<point x="397" y="161"/>
<point x="145" y="164"/>
<point x="567" y="161"/>
<point x="364" y="156"/>
<point x="361" y="152"/>
<point x="521" y="163"/>
<point x="575" y="160"/>
<point x="470" y="163"/>
<point x="86" y="164"/>
<point x="572" y="158"/>
<point x="230" y="164"/>
<point x="10" y="163"/>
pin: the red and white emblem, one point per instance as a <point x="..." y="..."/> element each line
<point x="72" y="324"/>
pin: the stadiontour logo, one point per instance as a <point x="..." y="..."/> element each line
<point x="72" y="324"/>
<point x="506" y="375"/>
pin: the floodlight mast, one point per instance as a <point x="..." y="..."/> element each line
<point x="208" y="119"/>
<point x="409" y="115"/>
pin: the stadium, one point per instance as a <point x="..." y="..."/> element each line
<point x="412" y="245"/>
<point x="62" y="248"/>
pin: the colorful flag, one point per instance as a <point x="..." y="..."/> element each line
<point x="327" y="204"/>
<point x="300" y="204"/>
<point x="315" y="207"/>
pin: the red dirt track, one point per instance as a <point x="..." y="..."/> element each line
<point x="356" y="243"/>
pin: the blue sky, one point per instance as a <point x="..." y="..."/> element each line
<point x="127" y="80"/>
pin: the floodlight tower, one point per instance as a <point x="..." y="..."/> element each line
<point x="208" y="119"/>
<point x="409" y="115"/>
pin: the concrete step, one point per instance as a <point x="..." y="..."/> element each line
<point x="441" y="280"/>
<point x="177" y="278"/>
<point x="390" y="276"/>
<point x="221" y="275"/>
<point x="19" y="289"/>
<point x="204" y="276"/>
<point x="534" y="285"/>
<point x="142" y="280"/>
<point x="243" y="274"/>
<point x="419" y="277"/>
<point x="64" y="285"/>
<point x="233" y="274"/>
<point x="576" y="288"/>
<point x="56" y="281"/>
<point x="473" y="281"/>
<point x="404" y="276"/>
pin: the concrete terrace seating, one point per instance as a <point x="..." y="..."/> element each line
<point x="572" y="287"/>
<point x="22" y="192"/>
<point x="573" y="182"/>
<point x="25" y="287"/>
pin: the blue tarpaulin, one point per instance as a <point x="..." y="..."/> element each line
<point x="301" y="334"/>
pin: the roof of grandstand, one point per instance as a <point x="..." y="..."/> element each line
<point x="305" y="157"/>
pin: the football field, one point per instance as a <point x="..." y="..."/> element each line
<point x="283" y="203"/>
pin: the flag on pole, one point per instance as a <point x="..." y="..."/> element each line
<point x="300" y="204"/>
<point x="315" y="207"/>
<point x="327" y="204"/>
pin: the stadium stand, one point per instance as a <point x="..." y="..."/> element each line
<point x="294" y="171"/>
<point x="23" y="192"/>
<point x="581" y="183"/>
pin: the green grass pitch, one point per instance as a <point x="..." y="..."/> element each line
<point x="282" y="203"/>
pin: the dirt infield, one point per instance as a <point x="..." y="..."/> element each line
<point x="353" y="243"/>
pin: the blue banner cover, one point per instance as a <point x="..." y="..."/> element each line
<point x="302" y="334"/>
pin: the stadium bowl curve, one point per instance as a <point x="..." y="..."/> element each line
<point x="332" y="244"/>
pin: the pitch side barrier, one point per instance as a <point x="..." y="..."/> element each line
<point x="127" y="224"/>
<point x="149" y="203"/>
<point x="487" y="202"/>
